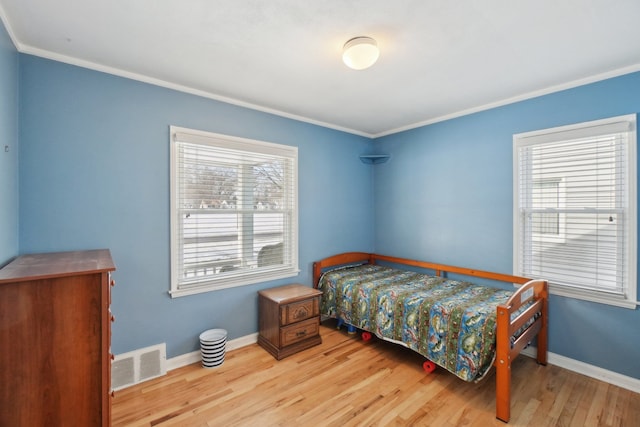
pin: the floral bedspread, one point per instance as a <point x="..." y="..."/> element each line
<point x="452" y="323"/>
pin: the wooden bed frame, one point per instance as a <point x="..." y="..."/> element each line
<point x="506" y="351"/>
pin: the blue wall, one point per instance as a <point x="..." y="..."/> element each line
<point x="8" y="136"/>
<point x="446" y="195"/>
<point x="94" y="173"/>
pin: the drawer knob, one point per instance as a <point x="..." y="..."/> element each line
<point x="301" y="333"/>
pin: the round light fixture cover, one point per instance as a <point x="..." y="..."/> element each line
<point x="360" y="53"/>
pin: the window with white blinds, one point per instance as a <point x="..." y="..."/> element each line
<point x="234" y="216"/>
<point x="575" y="209"/>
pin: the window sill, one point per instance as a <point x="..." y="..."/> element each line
<point x="248" y="279"/>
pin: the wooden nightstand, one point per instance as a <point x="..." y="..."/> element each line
<point x="289" y="319"/>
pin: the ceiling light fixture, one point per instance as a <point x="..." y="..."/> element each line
<point x="360" y="53"/>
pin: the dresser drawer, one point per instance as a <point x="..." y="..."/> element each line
<point x="299" y="331"/>
<point x="297" y="311"/>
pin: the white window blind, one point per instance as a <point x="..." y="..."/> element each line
<point x="234" y="211"/>
<point x="575" y="209"/>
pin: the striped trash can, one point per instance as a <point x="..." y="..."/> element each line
<point x="213" y="344"/>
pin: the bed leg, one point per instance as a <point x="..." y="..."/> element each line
<point x="542" y="335"/>
<point x="503" y="390"/>
<point x="503" y="366"/>
<point x="542" y="348"/>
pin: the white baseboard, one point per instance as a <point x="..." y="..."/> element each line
<point x="194" y="356"/>
<point x="601" y="374"/>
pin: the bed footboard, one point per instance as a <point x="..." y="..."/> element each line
<point x="515" y="333"/>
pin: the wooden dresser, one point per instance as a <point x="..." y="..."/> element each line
<point x="289" y="319"/>
<point x="55" y="337"/>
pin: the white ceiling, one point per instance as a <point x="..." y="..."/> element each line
<point x="439" y="58"/>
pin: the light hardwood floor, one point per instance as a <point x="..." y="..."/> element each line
<point x="348" y="382"/>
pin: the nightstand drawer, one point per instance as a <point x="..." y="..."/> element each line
<point x="299" y="331"/>
<point x="297" y="311"/>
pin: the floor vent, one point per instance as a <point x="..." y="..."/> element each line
<point x="137" y="366"/>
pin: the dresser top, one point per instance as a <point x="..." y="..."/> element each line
<point x="289" y="293"/>
<point x="59" y="264"/>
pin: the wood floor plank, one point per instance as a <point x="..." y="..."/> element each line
<point x="347" y="382"/>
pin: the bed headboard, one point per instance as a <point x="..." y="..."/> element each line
<point x="340" y="259"/>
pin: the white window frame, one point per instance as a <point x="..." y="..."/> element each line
<point x="627" y="298"/>
<point x="180" y="285"/>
